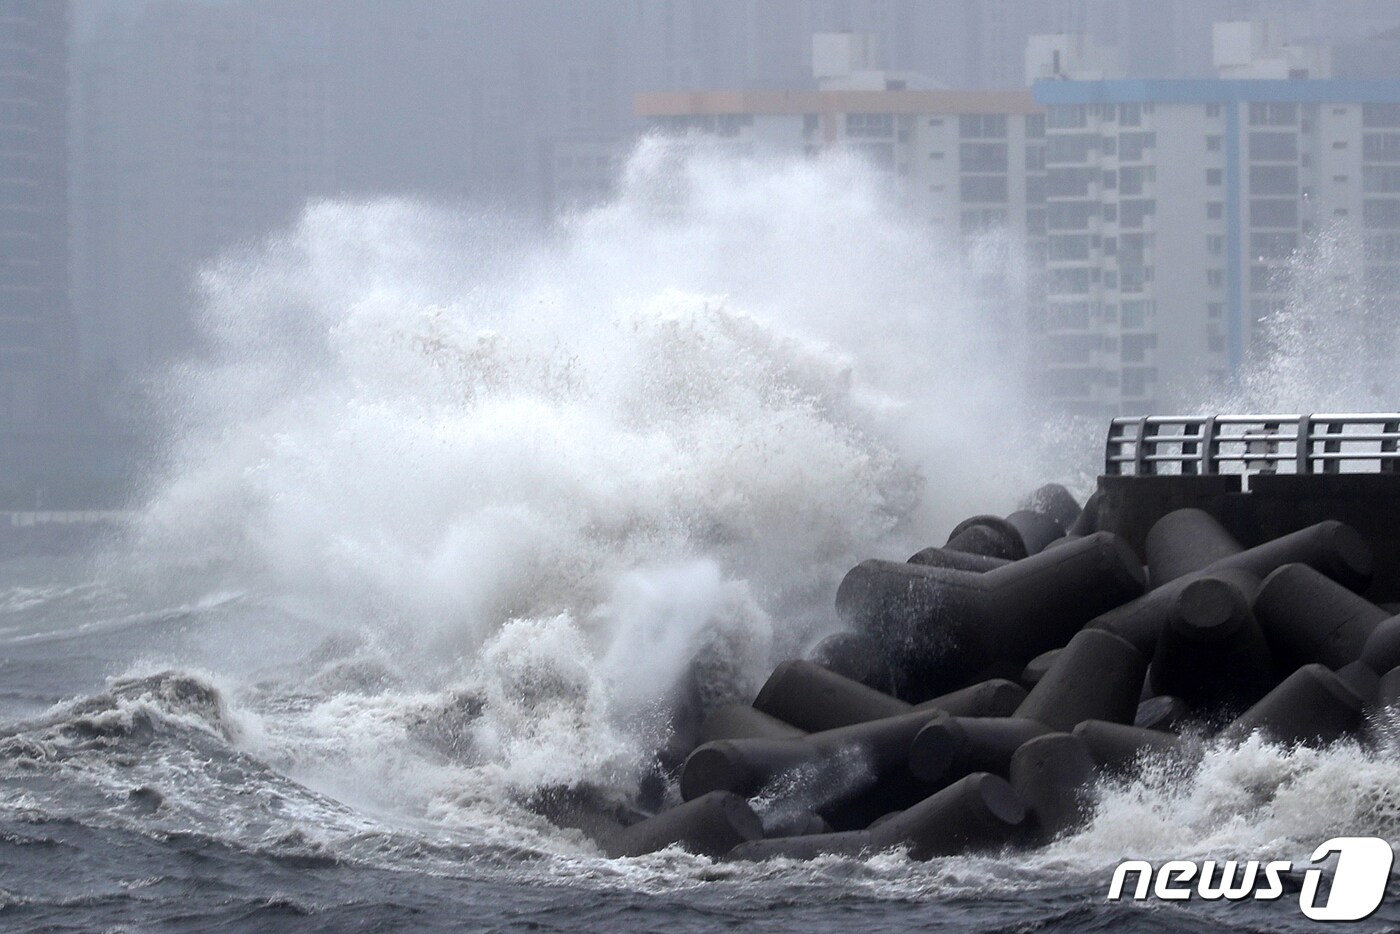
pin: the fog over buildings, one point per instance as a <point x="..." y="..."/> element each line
<point x="1154" y="216"/>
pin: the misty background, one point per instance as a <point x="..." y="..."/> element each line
<point x="141" y="139"/>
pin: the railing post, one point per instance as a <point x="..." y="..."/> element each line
<point x="1303" y="449"/>
<point x="1142" y="465"/>
<point x="1390" y="447"/>
<point x="1112" y="448"/>
<point x="1210" y="448"/>
<point x="1330" y="465"/>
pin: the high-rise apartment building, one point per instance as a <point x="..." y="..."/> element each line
<point x="969" y="162"/>
<point x="1174" y="206"/>
<point x="36" y="336"/>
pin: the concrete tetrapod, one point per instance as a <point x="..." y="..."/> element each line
<point x="996" y="697"/>
<point x="855" y="656"/>
<point x="1162" y="712"/>
<point x="978" y="812"/>
<point x="849" y="759"/>
<point x="1388" y="694"/>
<point x="1362" y="680"/>
<point x="1037" y="667"/>
<point x="710" y="825"/>
<point x="1052" y="775"/>
<point x="936" y="557"/>
<point x="1307" y="617"/>
<point x="1382" y="649"/>
<point x="1331" y="547"/>
<point x="1183" y="542"/>
<point x="989" y="536"/>
<point x="740" y="721"/>
<point x="814" y="698"/>
<point x="1036" y="529"/>
<point x="1212" y="653"/>
<point x="1097" y="677"/>
<point x="938" y="627"/>
<point x="951" y="747"/>
<point x="1117" y="746"/>
<point x="1311" y="706"/>
<point x="1053" y="500"/>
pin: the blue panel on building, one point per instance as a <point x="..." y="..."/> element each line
<point x="1216" y="90"/>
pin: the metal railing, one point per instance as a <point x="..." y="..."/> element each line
<point x="1156" y="445"/>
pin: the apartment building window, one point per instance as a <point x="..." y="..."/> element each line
<point x="1215" y="277"/>
<point x="1273" y="147"/>
<point x="1134" y="314"/>
<point x="1132" y="178"/>
<point x="865" y="126"/>
<point x="1273" y="180"/>
<point x="1213" y="143"/>
<point x="1035" y="157"/>
<point x="1212" y="110"/>
<point x="1381" y="147"/>
<point x="1215" y="343"/>
<point x="1380" y="115"/>
<point x="1339" y="144"/>
<point x="1133" y="247"/>
<point x="810" y="122"/>
<point x="1110" y="145"/>
<point x="1069" y="182"/>
<point x="1273" y="212"/>
<point x="935" y="121"/>
<point x="1135" y="380"/>
<point x="1382" y="214"/>
<point x="1035" y="222"/>
<point x="1132" y="146"/>
<point x="982" y="220"/>
<point x="1072" y="348"/>
<point x="1069" y="281"/>
<point x="1215" y="210"/>
<point x="982" y="157"/>
<point x="1035" y="189"/>
<point x="1383" y="247"/>
<point x="1213" y="176"/>
<point x="1069" y="316"/>
<point x="1273" y="114"/>
<point x="1110" y="279"/>
<point x="1110" y="246"/>
<point x="982" y="126"/>
<point x="1110" y="179"/>
<point x="1380" y="179"/>
<point x="1265" y="279"/>
<point x="1110" y="213"/>
<point x="1069" y="246"/>
<point x="1133" y="213"/>
<point x="1067" y="117"/>
<point x="1130" y="114"/>
<point x="983" y="188"/>
<point x="1215" y="244"/>
<point x="1136" y="346"/>
<point x="1035" y="126"/>
<point x="1070" y="147"/>
<point x="1215" y="310"/>
<point x="935" y="155"/>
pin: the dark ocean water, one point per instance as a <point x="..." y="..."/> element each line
<point x="165" y="802"/>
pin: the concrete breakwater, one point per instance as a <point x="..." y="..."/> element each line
<point x="979" y="690"/>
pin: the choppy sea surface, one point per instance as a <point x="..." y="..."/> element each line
<point x="446" y="513"/>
